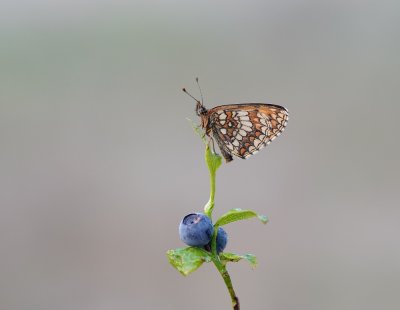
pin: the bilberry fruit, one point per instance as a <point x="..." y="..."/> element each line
<point x="222" y="240"/>
<point x="196" y="229"/>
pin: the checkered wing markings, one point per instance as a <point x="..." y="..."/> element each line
<point x="245" y="129"/>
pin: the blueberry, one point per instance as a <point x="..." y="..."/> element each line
<point x="222" y="240"/>
<point x="196" y="229"/>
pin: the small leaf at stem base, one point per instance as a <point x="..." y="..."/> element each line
<point x="233" y="258"/>
<point x="187" y="260"/>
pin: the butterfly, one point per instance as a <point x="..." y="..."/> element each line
<point x="241" y="130"/>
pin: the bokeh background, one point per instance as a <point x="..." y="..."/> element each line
<point x="99" y="164"/>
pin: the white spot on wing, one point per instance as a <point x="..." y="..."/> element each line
<point x="230" y="146"/>
<point x="263" y="121"/>
<point x="246" y="123"/>
<point x="247" y="128"/>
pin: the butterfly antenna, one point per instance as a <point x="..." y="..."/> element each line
<point x="201" y="94"/>
<point x="186" y="92"/>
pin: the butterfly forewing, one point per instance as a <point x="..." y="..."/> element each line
<point x="243" y="129"/>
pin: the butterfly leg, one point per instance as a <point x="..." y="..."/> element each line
<point x="228" y="157"/>
<point x="212" y="144"/>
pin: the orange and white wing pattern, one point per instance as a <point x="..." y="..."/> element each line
<point x="243" y="129"/>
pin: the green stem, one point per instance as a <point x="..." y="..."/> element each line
<point x="228" y="283"/>
<point x="214" y="162"/>
<point x="212" y="187"/>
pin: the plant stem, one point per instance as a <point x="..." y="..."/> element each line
<point x="227" y="279"/>
<point x="212" y="187"/>
<point x="214" y="162"/>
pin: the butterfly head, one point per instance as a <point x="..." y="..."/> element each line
<point x="200" y="109"/>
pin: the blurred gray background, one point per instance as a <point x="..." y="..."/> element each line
<point x="99" y="164"/>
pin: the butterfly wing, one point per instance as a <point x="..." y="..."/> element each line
<point x="243" y="129"/>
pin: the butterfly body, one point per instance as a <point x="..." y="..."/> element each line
<point x="243" y="129"/>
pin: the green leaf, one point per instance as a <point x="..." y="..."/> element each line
<point x="198" y="130"/>
<point x="213" y="160"/>
<point x="233" y="258"/>
<point x="235" y="215"/>
<point x="187" y="260"/>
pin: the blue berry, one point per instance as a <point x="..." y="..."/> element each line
<point x="222" y="240"/>
<point x="196" y="229"/>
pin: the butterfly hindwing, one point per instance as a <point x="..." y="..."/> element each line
<point x="243" y="129"/>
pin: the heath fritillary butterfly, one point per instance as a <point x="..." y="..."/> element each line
<point x="241" y="129"/>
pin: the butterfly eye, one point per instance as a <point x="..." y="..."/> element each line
<point x="198" y="108"/>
